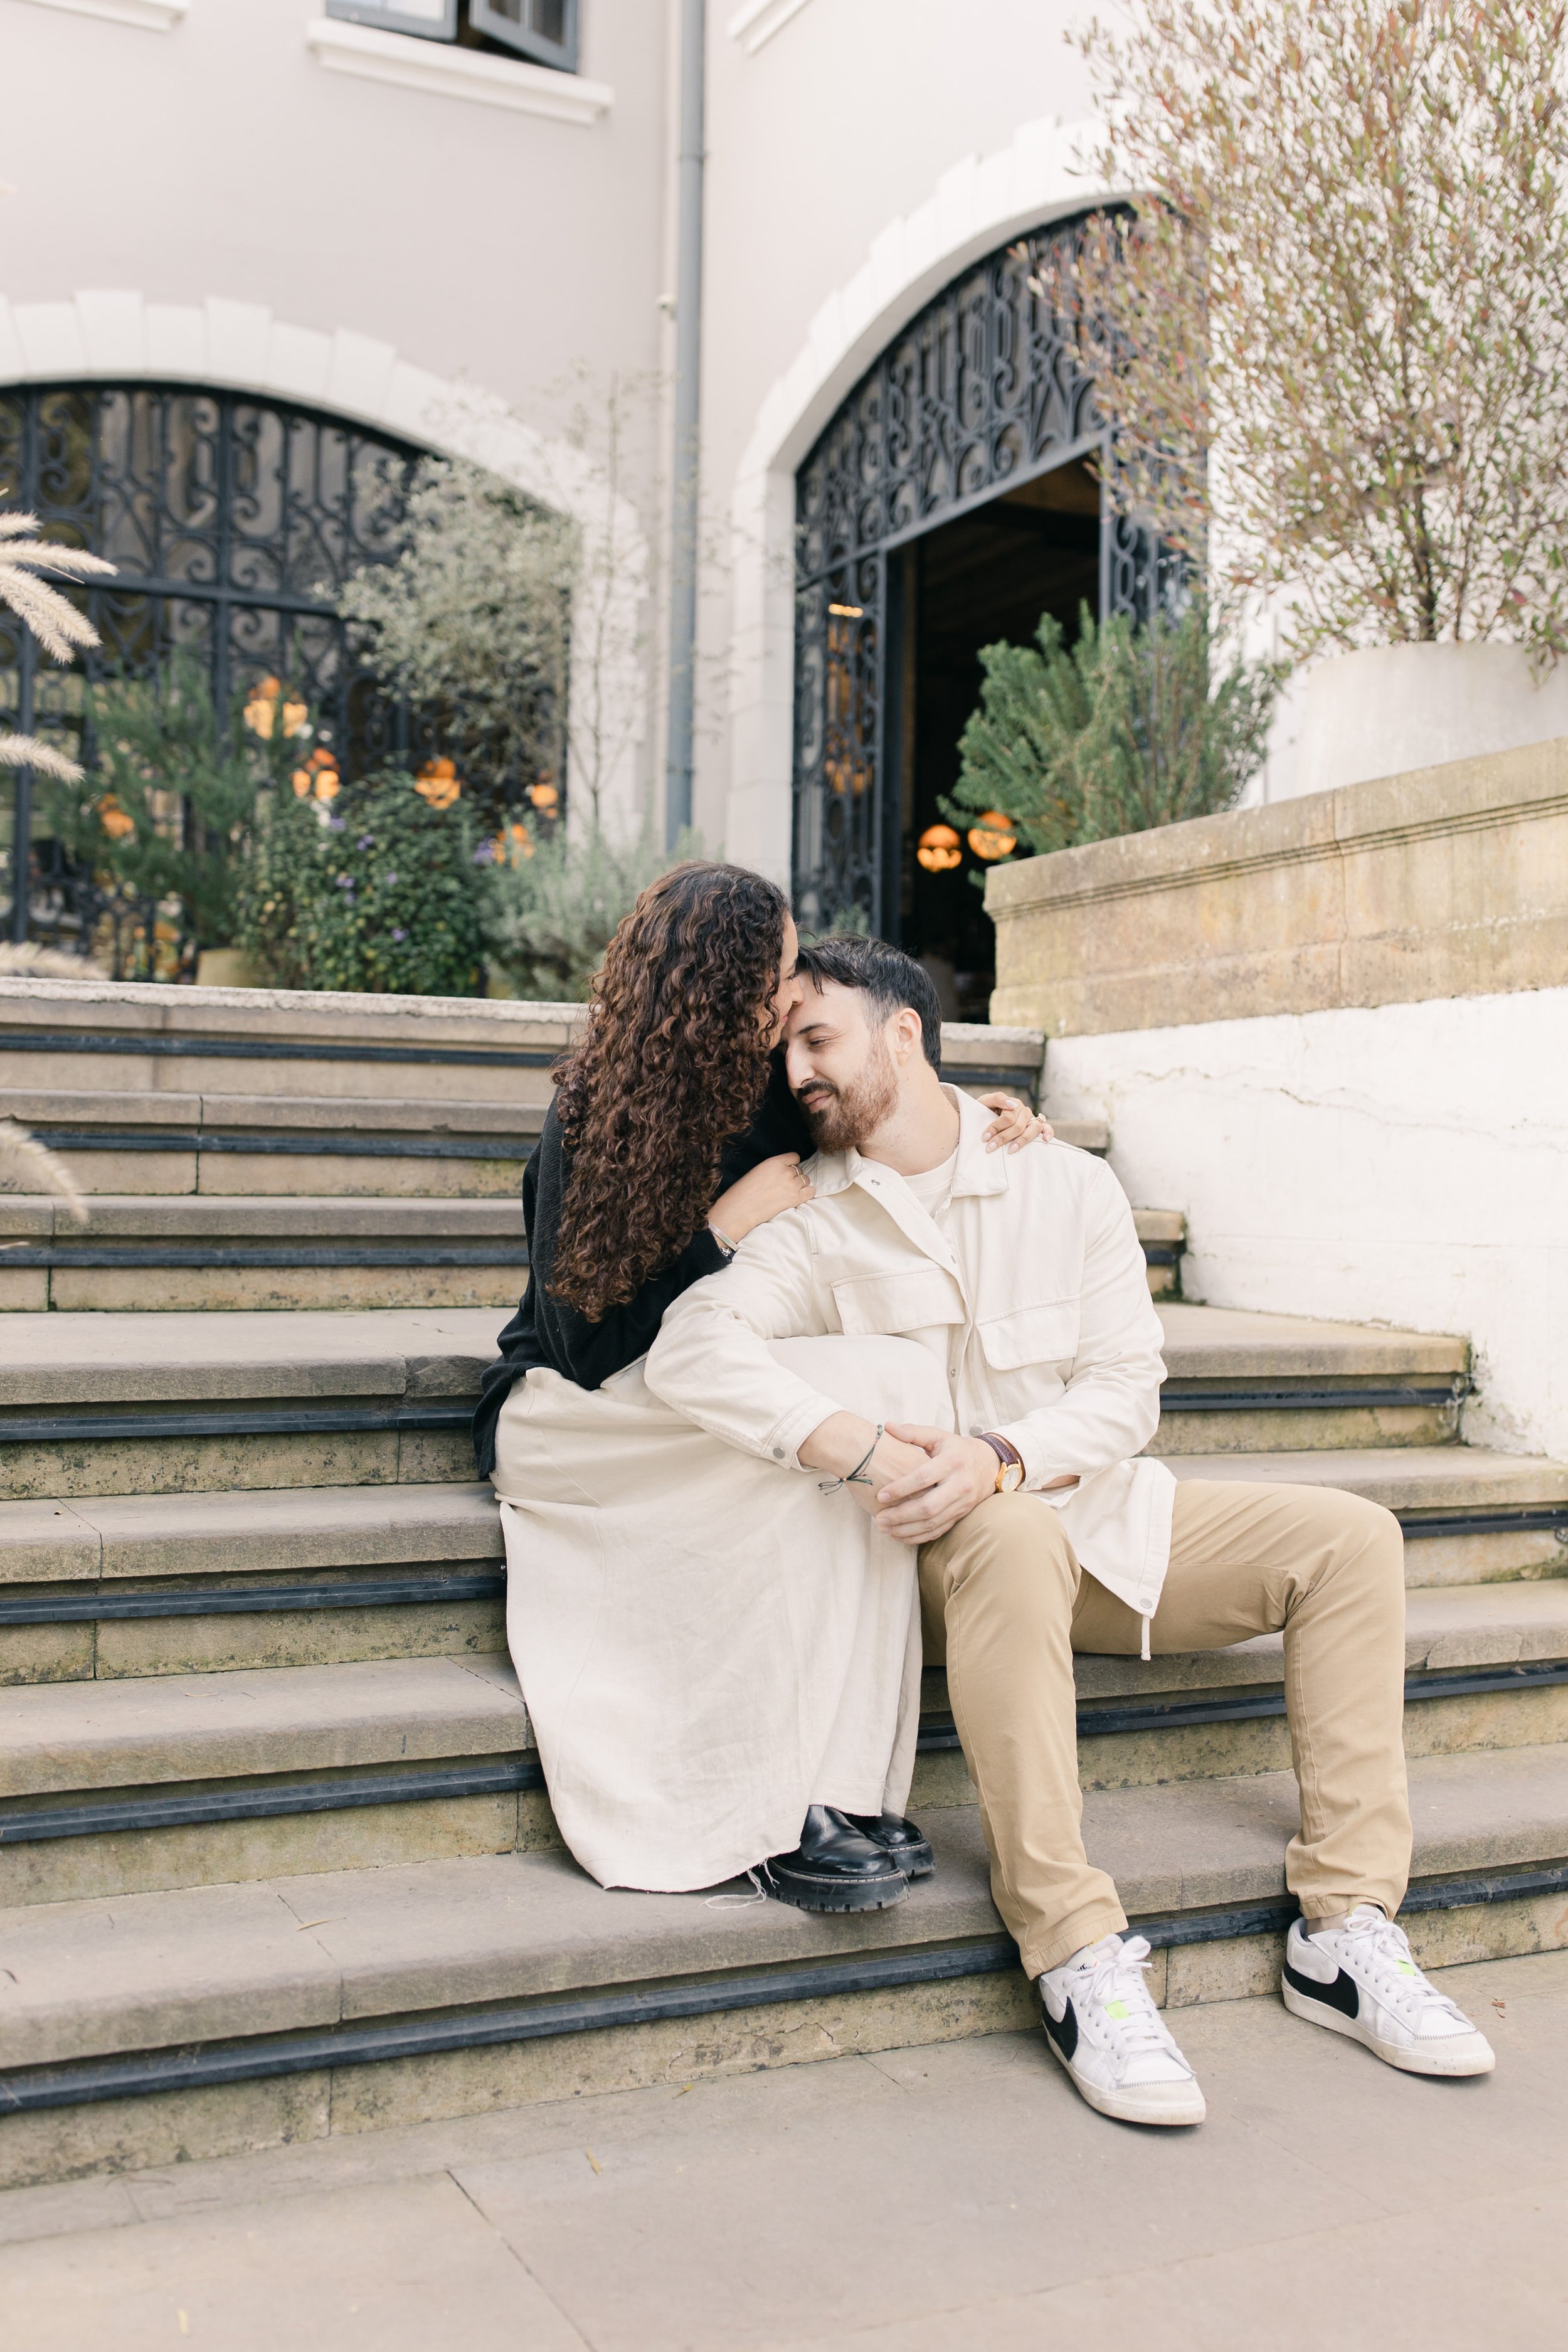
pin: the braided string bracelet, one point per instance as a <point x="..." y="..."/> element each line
<point x="855" y="1478"/>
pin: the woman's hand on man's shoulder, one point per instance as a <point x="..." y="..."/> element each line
<point x="772" y="1186"/>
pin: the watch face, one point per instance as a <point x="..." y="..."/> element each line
<point x="1012" y="1478"/>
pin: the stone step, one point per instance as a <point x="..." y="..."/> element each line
<point x="162" y="1144"/>
<point x="138" y="2028"/>
<point x="353" y="1147"/>
<point x="229" y="1253"/>
<point x="162" y="1584"/>
<point x="139" y="1403"/>
<point x="274" y="1252"/>
<point x="1470" y="1515"/>
<point x="117" y="1404"/>
<point x="130" y="1784"/>
<point x="1250" y="1383"/>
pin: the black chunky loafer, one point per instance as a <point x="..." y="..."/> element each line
<point x="835" y="1867"/>
<point x="904" y="1840"/>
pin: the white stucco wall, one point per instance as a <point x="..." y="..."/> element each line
<point x="1403" y="1166"/>
<point x="855" y="118"/>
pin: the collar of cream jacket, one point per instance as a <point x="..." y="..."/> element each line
<point x="978" y="1170"/>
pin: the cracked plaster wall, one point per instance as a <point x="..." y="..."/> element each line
<point x="1404" y="1164"/>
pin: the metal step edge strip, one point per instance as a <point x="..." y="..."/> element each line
<point x="71" y="1607"/>
<point x="940" y="1736"/>
<point x="300" y="1256"/>
<point x="251" y="1600"/>
<point x="202" y="2065"/>
<point x="1305" y="1399"/>
<point x="329" y="1794"/>
<point x="351" y="1147"/>
<point x="303" y="1254"/>
<point x="229" y="1049"/>
<point x="332" y="1793"/>
<point x="331" y="1420"/>
<point x="326" y="1421"/>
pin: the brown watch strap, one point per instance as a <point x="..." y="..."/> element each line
<point x="1008" y="1455"/>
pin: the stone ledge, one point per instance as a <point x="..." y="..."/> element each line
<point x="1447" y="881"/>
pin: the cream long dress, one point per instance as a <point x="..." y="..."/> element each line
<point x="707" y="1644"/>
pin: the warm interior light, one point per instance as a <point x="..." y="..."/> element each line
<point x="993" y="836"/>
<point x="848" y="611"/>
<point x="938" y="850"/>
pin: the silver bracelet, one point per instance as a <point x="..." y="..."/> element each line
<point x="853" y="1477"/>
<point x="725" y="1243"/>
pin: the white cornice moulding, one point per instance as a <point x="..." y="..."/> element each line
<point x="153" y="16"/>
<point x="451" y="72"/>
<point x="754" y="25"/>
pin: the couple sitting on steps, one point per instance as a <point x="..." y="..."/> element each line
<point x="756" y="1421"/>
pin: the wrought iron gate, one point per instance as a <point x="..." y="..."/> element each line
<point x="979" y="393"/>
<point x="233" y="523"/>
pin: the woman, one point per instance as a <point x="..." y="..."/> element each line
<point x="711" y="1648"/>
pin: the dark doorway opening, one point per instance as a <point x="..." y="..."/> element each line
<point x="988" y="574"/>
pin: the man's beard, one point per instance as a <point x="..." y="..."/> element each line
<point x="846" y="1118"/>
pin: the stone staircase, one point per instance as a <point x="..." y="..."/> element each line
<point x="276" y="1856"/>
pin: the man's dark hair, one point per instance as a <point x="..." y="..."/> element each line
<point x="886" y="975"/>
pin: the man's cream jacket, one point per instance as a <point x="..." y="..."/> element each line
<point x="1035" y="1301"/>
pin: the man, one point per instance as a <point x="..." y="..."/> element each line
<point x="1044" y="1529"/>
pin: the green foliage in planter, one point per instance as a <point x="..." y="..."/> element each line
<point x="1127" y="729"/>
<point x="162" y="810"/>
<point x="555" y="901"/>
<point x="375" y="888"/>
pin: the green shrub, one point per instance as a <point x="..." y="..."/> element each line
<point x="1129" y="728"/>
<point x="161" y="817"/>
<point x="555" y="901"/>
<point x="374" y="889"/>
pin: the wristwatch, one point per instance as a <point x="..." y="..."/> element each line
<point x="1009" y="1463"/>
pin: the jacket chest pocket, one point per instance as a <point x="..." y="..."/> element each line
<point x="912" y="1300"/>
<point x="1031" y="1335"/>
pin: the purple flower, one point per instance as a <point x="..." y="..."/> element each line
<point x="485" y="854"/>
<point x="337" y="825"/>
<point x="399" y="934"/>
<point x="391" y="878"/>
<point x="365" y="841"/>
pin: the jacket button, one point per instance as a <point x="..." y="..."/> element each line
<point x="778" y="1454"/>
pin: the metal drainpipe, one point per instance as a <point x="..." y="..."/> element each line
<point x="688" y="375"/>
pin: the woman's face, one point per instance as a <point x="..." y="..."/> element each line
<point x="787" y="994"/>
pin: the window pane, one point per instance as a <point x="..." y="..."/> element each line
<point x="434" y="20"/>
<point x="545" y="30"/>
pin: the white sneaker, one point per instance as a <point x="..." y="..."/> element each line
<point x="1360" y="1980"/>
<point x="1104" y="2027"/>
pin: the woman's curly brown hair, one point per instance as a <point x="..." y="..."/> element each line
<point x="673" y="1062"/>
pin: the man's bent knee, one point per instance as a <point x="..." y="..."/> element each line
<point x="1006" y="1537"/>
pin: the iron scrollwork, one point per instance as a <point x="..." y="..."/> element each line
<point x="979" y="390"/>
<point x="233" y="523"/>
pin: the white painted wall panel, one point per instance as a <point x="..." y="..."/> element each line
<point x="1406" y="1165"/>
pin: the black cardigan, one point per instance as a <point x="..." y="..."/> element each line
<point x="546" y="1331"/>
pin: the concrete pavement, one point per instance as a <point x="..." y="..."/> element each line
<point x="955" y="2197"/>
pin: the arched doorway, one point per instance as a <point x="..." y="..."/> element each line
<point x="947" y="504"/>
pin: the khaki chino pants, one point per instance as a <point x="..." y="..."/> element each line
<point x="1005" y="1598"/>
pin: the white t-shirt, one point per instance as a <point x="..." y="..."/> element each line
<point x="932" y="1188"/>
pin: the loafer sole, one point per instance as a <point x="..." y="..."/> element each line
<point x="915" y="1861"/>
<point x="1461" y="2059"/>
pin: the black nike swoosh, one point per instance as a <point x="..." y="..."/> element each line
<point x="1342" y="1994"/>
<point x="1063" y="2031"/>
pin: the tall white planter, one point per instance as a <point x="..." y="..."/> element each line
<point x="1391" y="707"/>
